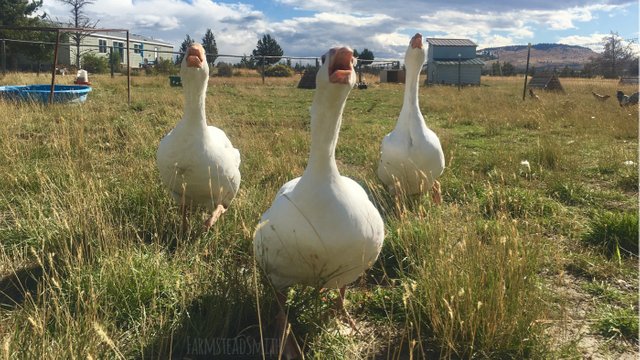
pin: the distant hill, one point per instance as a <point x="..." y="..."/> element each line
<point x="543" y="56"/>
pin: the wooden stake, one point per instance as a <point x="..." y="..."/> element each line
<point x="526" y="73"/>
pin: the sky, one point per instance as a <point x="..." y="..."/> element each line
<point x="311" y="27"/>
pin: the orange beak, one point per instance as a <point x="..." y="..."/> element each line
<point x="341" y="65"/>
<point x="416" y="41"/>
<point x="195" y="56"/>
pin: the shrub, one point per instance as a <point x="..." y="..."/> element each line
<point x="225" y="69"/>
<point x="166" y="67"/>
<point x="95" y="64"/>
<point x="116" y="61"/>
<point x="279" y="70"/>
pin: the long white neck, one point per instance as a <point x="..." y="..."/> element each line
<point x="410" y="112"/>
<point x="411" y="86"/>
<point x="195" y="94"/>
<point x="326" y="118"/>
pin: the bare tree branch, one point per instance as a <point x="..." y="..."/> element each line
<point x="79" y="19"/>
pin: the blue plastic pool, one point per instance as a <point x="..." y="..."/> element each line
<point x="40" y="93"/>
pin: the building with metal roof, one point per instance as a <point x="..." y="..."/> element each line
<point x="453" y="61"/>
<point x="450" y="42"/>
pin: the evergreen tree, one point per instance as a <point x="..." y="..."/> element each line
<point x="365" y="57"/>
<point x="495" y="69"/>
<point x="19" y="13"/>
<point x="188" y="41"/>
<point x="267" y="46"/>
<point x="508" y="69"/>
<point x="247" y="62"/>
<point x="210" y="47"/>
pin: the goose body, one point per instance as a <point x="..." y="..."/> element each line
<point x="411" y="157"/>
<point x="322" y="229"/>
<point x="197" y="162"/>
<point x="314" y="235"/>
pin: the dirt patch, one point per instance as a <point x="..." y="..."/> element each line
<point x="573" y="333"/>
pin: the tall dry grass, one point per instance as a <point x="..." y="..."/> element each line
<point x="93" y="262"/>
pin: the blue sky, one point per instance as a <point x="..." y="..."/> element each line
<point x="310" y="27"/>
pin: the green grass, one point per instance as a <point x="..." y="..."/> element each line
<point x="617" y="233"/>
<point x="87" y="228"/>
<point x="617" y="322"/>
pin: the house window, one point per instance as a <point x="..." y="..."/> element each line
<point x="155" y="53"/>
<point x="102" y="46"/>
<point x="137" y="48"/>
<point x="119" y="46"/>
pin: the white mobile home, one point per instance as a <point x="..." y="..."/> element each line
<point x="453" y="61"/>
<point x="142" y="49"/>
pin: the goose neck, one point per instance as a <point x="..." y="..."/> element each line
<point x="326" y="118"/>
<point x="411" y="87"/>
<point x="194" y="100"/>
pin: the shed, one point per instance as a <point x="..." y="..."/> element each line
<point x="628" y="80"/>
<point x="392" y="76"/>
<point x="308" y="80"/>
<point x="453" y="61"/>
<point x="545" y="81"/>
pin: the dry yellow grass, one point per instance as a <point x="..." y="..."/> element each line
<point x="82" y="212"/>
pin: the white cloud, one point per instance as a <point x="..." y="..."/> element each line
<point x="495" y="41"/>
<point x="592" y="41"/>
<point x="384" y="27"/>
<point x="155" y="22"/>
<point x="595" y="42"/>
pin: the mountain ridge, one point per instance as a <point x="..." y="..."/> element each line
<point x="543" y="55"/>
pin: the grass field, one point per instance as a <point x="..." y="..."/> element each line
<point x="537" y="261"/>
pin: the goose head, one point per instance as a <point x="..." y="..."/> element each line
<point x="337" y="70"/>
<point x="194" y="67"/>
<point x="414" y="58"/>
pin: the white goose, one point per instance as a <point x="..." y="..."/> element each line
<point x="411" y="155"/>
<point x="321" y="229"/>
<point x="197" y="162"/>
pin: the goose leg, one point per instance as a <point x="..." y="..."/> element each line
<point x="220" y="209"/>
<point x="341" y="309"/>
<point x="289" y="348"/>
<point x="436" y="193"/>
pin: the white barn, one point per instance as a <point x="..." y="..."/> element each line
<point x="450" y="61"/>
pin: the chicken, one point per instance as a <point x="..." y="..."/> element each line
<point x="625" y="100"/>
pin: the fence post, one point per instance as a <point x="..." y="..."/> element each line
<point x="128" y="72"/>
<point x="4" y="57"/>
<point x="526" y="73"/>
<point x="111" y="60"/>
<point x="459" y="59"/>
<point x="262" y="69"/>
<point x="53" y="67"/>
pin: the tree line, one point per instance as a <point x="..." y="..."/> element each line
<point x="268" y="52"/>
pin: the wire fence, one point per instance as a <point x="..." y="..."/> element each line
<point x="297" y="62"/>
<point x="564" y="71"/>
